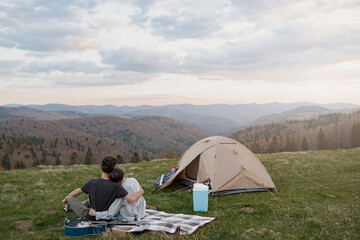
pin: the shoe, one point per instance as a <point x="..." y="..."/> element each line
<point x="67" y="208"/>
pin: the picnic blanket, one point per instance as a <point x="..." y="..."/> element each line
<point x="167" y="222"/>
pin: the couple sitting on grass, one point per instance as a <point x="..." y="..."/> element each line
<point x="110" y="197"/>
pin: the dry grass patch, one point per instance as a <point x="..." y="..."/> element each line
<point x="49" y="211"/>
<point x="24" y="224"/>
<point x="257" y="232"/>
<point x="247" y="209"/>
<point x="40" y="182"/>
<point x="8" y="187"/>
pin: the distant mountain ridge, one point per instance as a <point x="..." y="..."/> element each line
<point x="36" y="114"/>
<point x="299" y="114"/>
<point x="218" y="118"/>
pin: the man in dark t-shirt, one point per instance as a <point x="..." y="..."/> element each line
<point x="102" y="192"/>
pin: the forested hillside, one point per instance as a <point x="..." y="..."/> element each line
<point x="26" y="143"/>
<point x="330" y="131"/>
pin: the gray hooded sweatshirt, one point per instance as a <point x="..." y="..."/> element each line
<point x="124" y="210"/>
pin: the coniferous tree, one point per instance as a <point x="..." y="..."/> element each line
<point x="292" y="143"/>
<point x="58" y="161"/>
<point x="288" y="143"/>
<point x="33" y="153"/>
<point x="355" y="135"/>
<point x="135" y="157"/>
<point x="322" y="144"/>
<point x="119" y="159"/>
<point x="255" y="147"/>
<point x="36" y="162"/>
<point x="11" y="149"/>
<point x="88" y="157"/>
<point x="20" y="164"/>
<point x="5" y="161"/>
<point x="272" y="146"/>
<point x="304" y="145"/>
<point x="44" y="158"/>
<point x="73" y="158"/>
<point x="145" y="156"/>
<point x="170" y="152"/>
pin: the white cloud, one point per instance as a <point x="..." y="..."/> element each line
<point x="181" y="48"/>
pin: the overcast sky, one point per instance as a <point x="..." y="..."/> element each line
<point x="169" y="52"/>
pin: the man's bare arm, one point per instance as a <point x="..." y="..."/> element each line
<point x="74" y="193"/>
<point x="135" y="196"/>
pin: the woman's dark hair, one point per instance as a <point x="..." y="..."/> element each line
<point x="116" y="175"/>
<point x="107" y="164"/>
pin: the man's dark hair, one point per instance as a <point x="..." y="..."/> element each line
<point x="107" y="164"/>
<point x="116" y="175"/>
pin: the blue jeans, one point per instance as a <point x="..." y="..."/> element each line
<point x="118" y="216"/>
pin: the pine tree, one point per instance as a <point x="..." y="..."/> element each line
<point x="33" y="153"/>
<point x="44" y="158"/>
<point x="36" y="162"/>
<point x="145" y="156"/>
<point x="58" y="161"/>
<point x="88" y="157"/>
<point x="73" y="158"/>
<point x="272" y="146"/>
<point x="255" y="147"/>
<point x="288" y="143"/>
<point x="119" y="159"/>
<point x="135" y="157"/>
<point x="170" y="152"/>
<point x="322" y="144"/>
<point x="292" y="143"/>
<point x="20" y="164"/>
<point x="355" y="135"/>
<point x="304" y="145"/>
<point x="5" y="161"/>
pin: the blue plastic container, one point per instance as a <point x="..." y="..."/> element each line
<point x="200" y="197"/>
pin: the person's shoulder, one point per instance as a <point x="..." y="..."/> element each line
<point x="92" y="180"/>
<point x="95" y="180"/>
<point x="89" y="184"/>
<point x="132" y="180"/>
<point x="99" y="181"/>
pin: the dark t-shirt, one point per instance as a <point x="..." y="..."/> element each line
<point x="102" y="193"/>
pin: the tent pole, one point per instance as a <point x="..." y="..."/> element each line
<point x="215" y="180"/>
<point x="262" y="184"/>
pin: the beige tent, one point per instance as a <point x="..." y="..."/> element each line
<point x="230" y="166"/>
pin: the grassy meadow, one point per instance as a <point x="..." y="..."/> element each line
<point x="322" y="202"/>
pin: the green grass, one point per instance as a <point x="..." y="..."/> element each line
<point x="30" y="200"/>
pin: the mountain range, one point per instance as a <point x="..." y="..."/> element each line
<point x="65" y="134"/>
<point x="222" y="119"/>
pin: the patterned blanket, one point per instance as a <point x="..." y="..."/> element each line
<point x="167" y="222"/>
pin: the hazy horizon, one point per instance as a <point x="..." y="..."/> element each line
<point x="99" y="105"/>
<point x="168" y="52"/>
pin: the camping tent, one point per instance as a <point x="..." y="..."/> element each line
<point x="230" y="166"/>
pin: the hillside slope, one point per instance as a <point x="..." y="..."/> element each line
<point x="322" y="205"/>
<point x="70" y="140"/>
<point x="330" y="131"/>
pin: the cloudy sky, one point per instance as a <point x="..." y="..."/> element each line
<point x="169" y="52"/>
